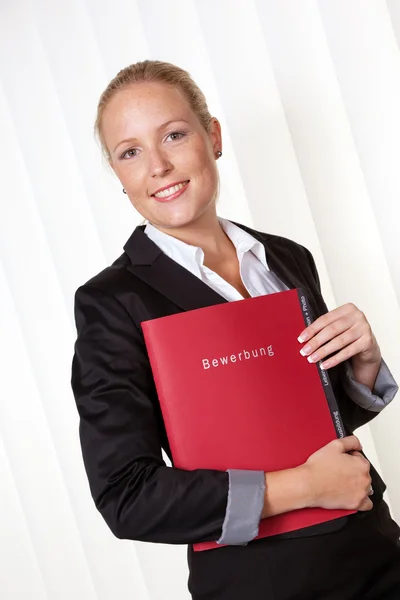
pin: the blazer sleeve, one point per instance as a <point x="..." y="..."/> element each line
<point x="354" y="415"/>
<point x="120" y="431"/>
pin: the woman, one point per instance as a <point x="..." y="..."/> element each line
<point x="162" y="143"/>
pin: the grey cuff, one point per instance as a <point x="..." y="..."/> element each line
<point x="384" y="391"/>
<point x="244" y="508"/>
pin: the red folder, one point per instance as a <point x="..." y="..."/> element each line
<point x="236" y="393"/>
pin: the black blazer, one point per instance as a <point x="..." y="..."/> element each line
<point x="121" y="426"/>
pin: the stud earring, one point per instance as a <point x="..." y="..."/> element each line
<point x="124" y="190"/>
<point x="219" y="153"/>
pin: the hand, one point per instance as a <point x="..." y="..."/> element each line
<point x="346" y="332"/>
<point x="338" y="476"/>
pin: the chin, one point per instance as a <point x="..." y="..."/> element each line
<point x="174" y="223"/>
<point x="177" y="219"/>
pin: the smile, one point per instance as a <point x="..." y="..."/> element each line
<point x="171" y="191"/>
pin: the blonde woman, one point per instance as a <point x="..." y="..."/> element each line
<point x="162" y="143"/>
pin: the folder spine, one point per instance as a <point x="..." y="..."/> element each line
<point x="325" y="379"/>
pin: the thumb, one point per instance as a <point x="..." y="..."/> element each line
<point x="351" y="442"/>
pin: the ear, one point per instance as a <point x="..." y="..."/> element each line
<point x="215" y="134"/>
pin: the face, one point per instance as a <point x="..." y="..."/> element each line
<point x="161" y="153"/>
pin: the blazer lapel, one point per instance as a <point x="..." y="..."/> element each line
<point x="287" y="267"/>
<point x="186" y="290"/>
<point x="166" y="276"/>
<point x="279" y="258"/>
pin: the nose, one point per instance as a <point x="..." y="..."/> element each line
<point x="160" y="163"/>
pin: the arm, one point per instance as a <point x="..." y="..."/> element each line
<point x="121" y="435"/>
<point x="335" y="476"/>
<point x="139" y="497"/>
<point x="368" y="384"/>
<point x="382" y="393"/>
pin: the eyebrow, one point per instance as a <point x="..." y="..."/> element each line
<point x="133" y="139"/>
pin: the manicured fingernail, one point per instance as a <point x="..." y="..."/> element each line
<point x="324" y="365"/>
<point x="302" y="338"/>
<point x="306" y="350"/>
<point x="313" y="358"/>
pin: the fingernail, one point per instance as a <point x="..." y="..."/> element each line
<point x="306" y="350"/>
<point x="302" y="338"/>
<point x="313" y="358"/>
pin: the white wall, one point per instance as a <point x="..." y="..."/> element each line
<point x="308" y="94"/>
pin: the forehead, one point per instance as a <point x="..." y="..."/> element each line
<point x="145" y="104"/>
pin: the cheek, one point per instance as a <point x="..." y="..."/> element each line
<point x="204" y="163"/>
<point x="132" y="177"/>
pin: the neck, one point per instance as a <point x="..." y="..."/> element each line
<point x="207" y="234"/>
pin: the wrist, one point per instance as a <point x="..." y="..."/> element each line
<point x="309" y="491"/>
<point x="366" y="372"/>
<point x="287" y="490"/>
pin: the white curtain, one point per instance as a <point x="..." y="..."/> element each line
<point x="308" y="95"/>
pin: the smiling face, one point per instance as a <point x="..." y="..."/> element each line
<point x="161" y="153"/>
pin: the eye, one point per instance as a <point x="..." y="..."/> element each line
<point x="175" y="135"/>
<point x="127" y="152"/>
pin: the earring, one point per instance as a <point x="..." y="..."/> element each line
<point x="219" y="153"/>
<point x="124" y="190"/>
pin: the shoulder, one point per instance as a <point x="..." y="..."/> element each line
<point x="106" y="300"/>
<point x="112" y="280"/>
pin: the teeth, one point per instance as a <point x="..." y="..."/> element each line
<point x="170" y="190"/>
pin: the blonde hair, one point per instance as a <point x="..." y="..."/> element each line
<point x="154" y="71"/>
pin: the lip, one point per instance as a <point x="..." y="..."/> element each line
<point x="169" y="185"/>
<point x="175" y="194"/>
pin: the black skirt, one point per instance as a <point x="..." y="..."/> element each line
<point x="361" y="561"/>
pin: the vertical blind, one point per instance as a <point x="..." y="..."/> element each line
<point x="308" y="96"/>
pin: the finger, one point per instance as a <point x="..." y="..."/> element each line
<point x="349" y="443"/>
<point x="332" y="329"/>
<point x="345" y="354"/>
<point x="366" y="505"/>
<point x="326" y="320"/>
<point x="338" y="339"/>
<point x="364" y="460"/>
